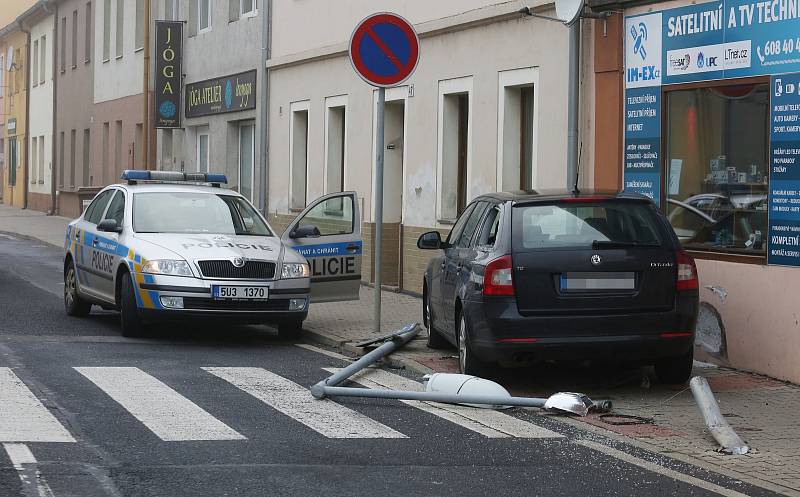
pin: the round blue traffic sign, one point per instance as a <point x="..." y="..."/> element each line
<point x="384" y="49"/>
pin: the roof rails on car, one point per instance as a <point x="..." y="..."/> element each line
<point x="132" y="177"/>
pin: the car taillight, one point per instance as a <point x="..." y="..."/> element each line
<point x="498" y="279"/>
<point x="687" y="272"/>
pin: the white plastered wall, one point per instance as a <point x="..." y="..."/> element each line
<point x="41" y="110"/>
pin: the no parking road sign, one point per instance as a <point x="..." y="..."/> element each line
<point x="384" y="49"/>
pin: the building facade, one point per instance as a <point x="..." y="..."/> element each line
<point x="41" y="108"/>
<point x="222" y="68"/>
<point x="708" y="129"/>
<point x="485" y="110"/>
<point x="14" y="46"/>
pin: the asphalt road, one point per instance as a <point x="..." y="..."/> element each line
<point x="194" y="410"/>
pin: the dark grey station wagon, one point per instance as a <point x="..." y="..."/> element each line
<point x="532" y="276"/>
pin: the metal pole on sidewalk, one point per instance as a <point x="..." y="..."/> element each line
<point x="379" y="147"/>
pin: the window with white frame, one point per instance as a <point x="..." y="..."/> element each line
<point x="106" y="30"/>
<point x="41" y="160"/>
<point x="247" y="152"/>
<point x="34" y="158"/>
<point x="517" y="115"/>
<point x="203" y="16"/>
<point x="247" y="8"/>
<point x="42" y="60"/>
<point x="454" y="146"/>
<point x="298" y="155"/>
<point x="203" y="149"/>
<point x="35" y="67"/>
<point x="120" y="28"/>
<point x="139" y="24"/>
<point x="335" y="143"/>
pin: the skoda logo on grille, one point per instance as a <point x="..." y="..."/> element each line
<point x="596" y="260"/>
<point x="239" y="261"/>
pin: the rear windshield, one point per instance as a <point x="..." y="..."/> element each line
<point x="585" y="225"/>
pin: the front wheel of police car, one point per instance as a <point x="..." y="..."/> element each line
<point x="73" y="303"/>
<point x="132" y="325"/>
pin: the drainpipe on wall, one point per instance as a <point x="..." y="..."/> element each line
<point x="54" y="11"/>
<point x="27" y="113"/>
<point x="573" y="107"/>
<point x="266" y="52"/>
<point x="147" y="163"/>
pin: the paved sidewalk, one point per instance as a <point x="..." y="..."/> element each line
<point x="762" y="410"/>
<point x="34" y="224"/>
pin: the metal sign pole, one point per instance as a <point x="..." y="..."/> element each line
<point x="379" y="148"/>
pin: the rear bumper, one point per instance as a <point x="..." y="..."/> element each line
<point x="500" y="333"/>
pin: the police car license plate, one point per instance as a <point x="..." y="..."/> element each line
<point x="231" y="292"/>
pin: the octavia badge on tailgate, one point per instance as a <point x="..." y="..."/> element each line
<point x="596" y="260"/>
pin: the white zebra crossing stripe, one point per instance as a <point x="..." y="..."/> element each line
<point x="168" y="414"/>
<point x="492" y="424"/>
<point x="23" y="418"/>
<point x="24" y="462"/>
<point x="323" y="416"/>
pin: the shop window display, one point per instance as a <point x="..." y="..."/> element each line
<point x="717" y="167"/>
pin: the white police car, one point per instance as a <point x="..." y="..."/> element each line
<point x="175" y="245"/>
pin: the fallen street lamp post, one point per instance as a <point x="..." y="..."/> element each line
<point x="448" y="388"/>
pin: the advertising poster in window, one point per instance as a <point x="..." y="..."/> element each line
<point x="784" y="195"/>
<point x="169" y="39"/>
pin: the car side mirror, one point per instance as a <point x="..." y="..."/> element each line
<point x="305" y="231"/>
<point x="432" y="240"/>
<point x="109" y="226"/>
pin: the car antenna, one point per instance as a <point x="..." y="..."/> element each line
<point x="577" y="190"/>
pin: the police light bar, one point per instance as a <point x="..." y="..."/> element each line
<point x="132" y="176"/>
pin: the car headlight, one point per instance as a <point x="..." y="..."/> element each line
<point x="295" y="270"/>
<point x="168" y="267"/>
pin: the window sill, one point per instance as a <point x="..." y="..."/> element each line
<point x="138" y="50"/>
<point x="118" y="57"/>
<point x="295" y="210"/>
<point x="246" y="15"/>
<point x="87" y="61"/>
<point x="106" y="60"/>
<point x="446" y="221"/>
<point x="710" y="255"/>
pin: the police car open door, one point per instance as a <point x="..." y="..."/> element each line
<point x="328" y="234"/>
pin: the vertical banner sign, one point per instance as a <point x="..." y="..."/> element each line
<point x="784" y="181"/>
<point x="169" y="39"/>
<point x="643" y="106"/>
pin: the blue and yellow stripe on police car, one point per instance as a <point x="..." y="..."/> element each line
<point x="145" y="299"/>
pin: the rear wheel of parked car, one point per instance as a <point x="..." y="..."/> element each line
<point x="132" y="325"/>
<point x="675" y="370"/>
<point x="435" y="339"/>
<point x="73" y="303"/>
<point x="467" y="361"/>
<point x="290" y="329"/>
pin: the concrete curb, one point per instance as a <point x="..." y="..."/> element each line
<point x="346" y="347"/>
<point x="29" y="238"/>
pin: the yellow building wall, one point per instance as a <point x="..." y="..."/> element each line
<point x="14" y="103"/>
